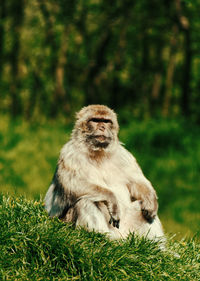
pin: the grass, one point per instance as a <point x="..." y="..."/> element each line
<point x="28" y="155"/>
<point x="169" y="154"/>
<point x="35" y="247"/>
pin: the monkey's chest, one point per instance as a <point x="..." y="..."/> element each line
<point x="116" y="181"/>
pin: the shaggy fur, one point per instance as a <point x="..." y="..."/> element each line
<point x="101" y="187"/>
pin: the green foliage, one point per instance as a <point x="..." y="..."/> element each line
<point x="35" y="247"/>
<point x="160" y="135"/>
<point x="57" y="56"/>
<point x="169" y="153"/>
<point x="29" y="154"/>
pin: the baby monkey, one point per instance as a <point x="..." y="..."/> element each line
<point x="98" y="184"/>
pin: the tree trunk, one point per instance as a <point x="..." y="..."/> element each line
<point x="185" y="27"/>
<point x="17" y="20"/>
<point x="2" y="33"/>
<point x="186" y="75"/>
<point x="170" y="73"/>
<point x="53" y="57"/>
<point x="99" y="61"/>
<point x="60" y="95"/>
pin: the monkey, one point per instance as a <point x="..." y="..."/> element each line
<point x="98" y="183"/>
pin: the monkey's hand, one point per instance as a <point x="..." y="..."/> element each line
<point x="149" y="206"/>
<point x="114" y="222"/>
<point x="146" y="195"/>
<point x="114" y="212"/>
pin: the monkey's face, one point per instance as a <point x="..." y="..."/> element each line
<point x="96" y="126"/>
<point x="100" y="132"/>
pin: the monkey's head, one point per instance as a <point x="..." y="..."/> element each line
<point x="97" y="127"/>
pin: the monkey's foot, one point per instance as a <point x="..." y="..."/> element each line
<point x="148" y="215"/>
<point x="114" y="222"/>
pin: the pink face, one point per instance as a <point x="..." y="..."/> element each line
<point x="100" y="132"/>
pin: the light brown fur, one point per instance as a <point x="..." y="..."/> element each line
<point x="98" y="183"/>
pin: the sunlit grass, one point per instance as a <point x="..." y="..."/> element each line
<point x="36" y="247"/>
<point x="28" y="156"/>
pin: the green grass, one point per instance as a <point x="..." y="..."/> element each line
<point x="35" y="247"/>
<point x="168" y="152"/>
<point x="28" y="155"/>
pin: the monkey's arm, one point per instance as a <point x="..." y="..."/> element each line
<point x="140" y="188"/>
<point x="95" y="194"/>
<point x="147" y="196"/>
<point x="69" y="187"/>
<point x="56" y="201"/>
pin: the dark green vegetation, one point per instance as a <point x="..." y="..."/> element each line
<point x="167" y="151"/>
<point x="141" y="58"/>
<point x="35" y="247"/>
<point x="58" y="55"/>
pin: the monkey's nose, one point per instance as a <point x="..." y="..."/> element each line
<point x="101" y="128"/>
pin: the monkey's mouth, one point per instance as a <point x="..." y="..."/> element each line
<point x="100" y="141"/>
<point x="101" y="138"/>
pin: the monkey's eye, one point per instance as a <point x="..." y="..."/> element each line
<point x="100" y="120"/>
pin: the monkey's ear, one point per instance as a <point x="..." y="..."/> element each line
<point x="55" y="200"/>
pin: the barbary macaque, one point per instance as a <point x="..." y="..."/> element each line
<point x="98" y="183"/>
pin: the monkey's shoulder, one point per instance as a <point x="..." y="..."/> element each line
<point x="124" y="155"/>
<point x="72" y="159"/>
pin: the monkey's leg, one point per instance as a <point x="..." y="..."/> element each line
<point x="154" y="231"/>
<point x="90" y="216"/>
<point x="135" y="222"/>
<point x="145" y="193"/>
<point x="151" y="230"/>
<point x="104" y="197"/>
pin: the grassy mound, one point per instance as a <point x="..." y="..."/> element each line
<point x="35" y="247"/>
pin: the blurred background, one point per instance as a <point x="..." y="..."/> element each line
<point x="141" y="58"/>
